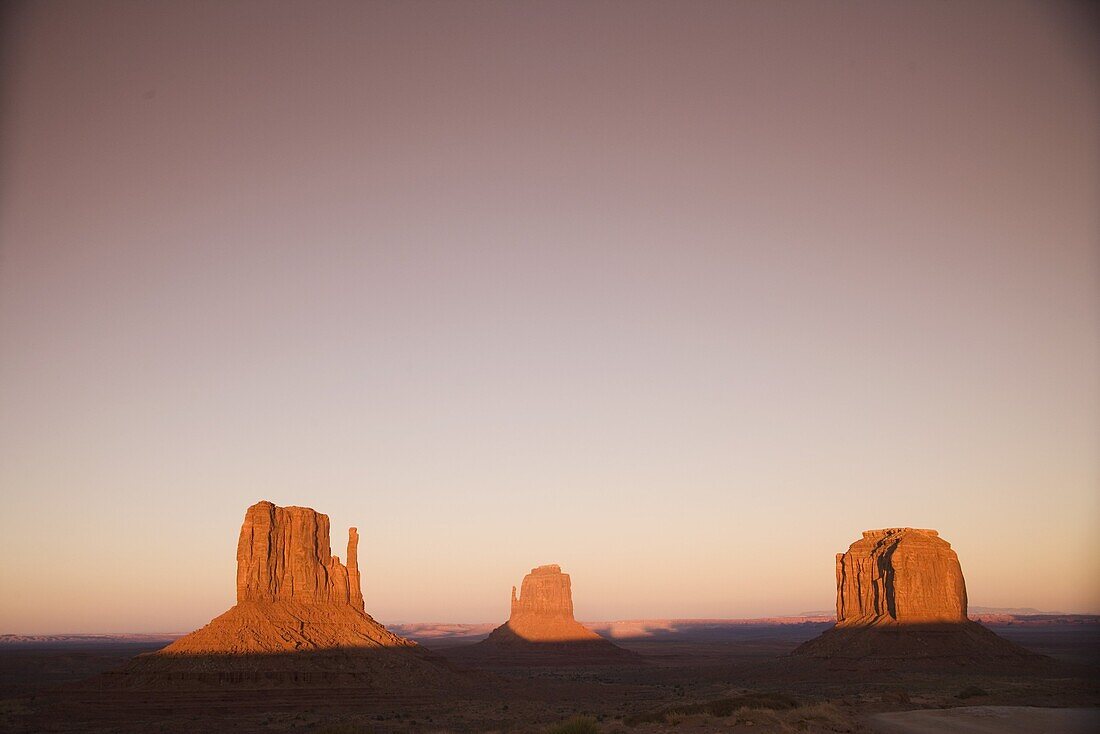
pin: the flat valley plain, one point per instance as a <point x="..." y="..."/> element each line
<point x="690" y="676"/>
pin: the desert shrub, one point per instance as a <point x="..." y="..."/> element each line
<point x="971" y="692"/>
<point x="821" y="717"/>
<point x="824" y="714"/>
<point x="720" y="707"/>
<point x="770" y="701"/>
<point x="576" y="725"/>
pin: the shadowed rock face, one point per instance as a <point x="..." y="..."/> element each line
<point x="899" y="576"/>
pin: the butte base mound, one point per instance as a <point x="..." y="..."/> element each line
<point x="900" y="595"/>
<point x="541" y="630"/>
<point x="299" y="620"/>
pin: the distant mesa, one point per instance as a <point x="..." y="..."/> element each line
<point x="542" y="629"/>
<point x="1012" y="611"/>
<point x="900" y="594"/>
<point x="543" y="611"/>
<point x="299" y="618"/>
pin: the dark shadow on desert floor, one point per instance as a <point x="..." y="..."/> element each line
<point x="715" y="680"/>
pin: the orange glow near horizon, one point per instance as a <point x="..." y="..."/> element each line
<point x="680" y="296"/>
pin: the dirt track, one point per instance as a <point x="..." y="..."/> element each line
<point x="989" y="720"/>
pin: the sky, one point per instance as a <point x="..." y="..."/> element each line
<point x="681" y="296"/>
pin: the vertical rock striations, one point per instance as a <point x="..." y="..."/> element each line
<point x="356" y="590"/>
<point x="543" y="612"/>
<point x="283" y="555"/>
<point x="292" y="593"/>
<point x="899" y="576"/>
<point x="298" y="621"/>
<point x="900" y="595"/>
<point x="546" y="593"/>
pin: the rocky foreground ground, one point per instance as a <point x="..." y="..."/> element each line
<point x="708" y="676"/>
<point x="298" y="652"/>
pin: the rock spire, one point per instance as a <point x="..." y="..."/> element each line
<point x="283" y="555"/>
<point x="293" y="595"/>
<point x="546" y="592"/>
<point x="541" y="629"/>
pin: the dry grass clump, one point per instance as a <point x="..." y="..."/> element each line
<point x="720" y="707"/>
<point x="576" y="725"/>
<point x="766" y="712"/>
<point x="819" y="718"/>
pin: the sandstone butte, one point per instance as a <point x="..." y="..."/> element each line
<point x="900" y="594"/>
<point x="541" y="626"/>
<point x="283" y="555"/>
<point x="899" y="576"/>
<point x="292" y="593"/>
<point x="299" y="618"/>
<point x="543" y="611"/>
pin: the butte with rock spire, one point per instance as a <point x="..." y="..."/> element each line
<point x="299" y="618"/>
<point x="541" y="629"/>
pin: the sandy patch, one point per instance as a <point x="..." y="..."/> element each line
<point x="989" y="720"/>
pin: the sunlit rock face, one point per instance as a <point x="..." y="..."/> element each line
<point x="900" y="596"/>
<point x="545" y="592"/>
<point x="543" y="611"/>
<point x="283" y="555"/>
<point x="292" y="594"/>
<point x="899" y="576"/>
<point x="298" y="621"/>
<point x="541" y="629"/>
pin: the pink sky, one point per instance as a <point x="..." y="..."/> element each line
<point x="681" y="296"/>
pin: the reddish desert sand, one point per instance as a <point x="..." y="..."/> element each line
<point x="989" y="720"/>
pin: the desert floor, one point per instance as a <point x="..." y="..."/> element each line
<point x="688" y="678"/>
